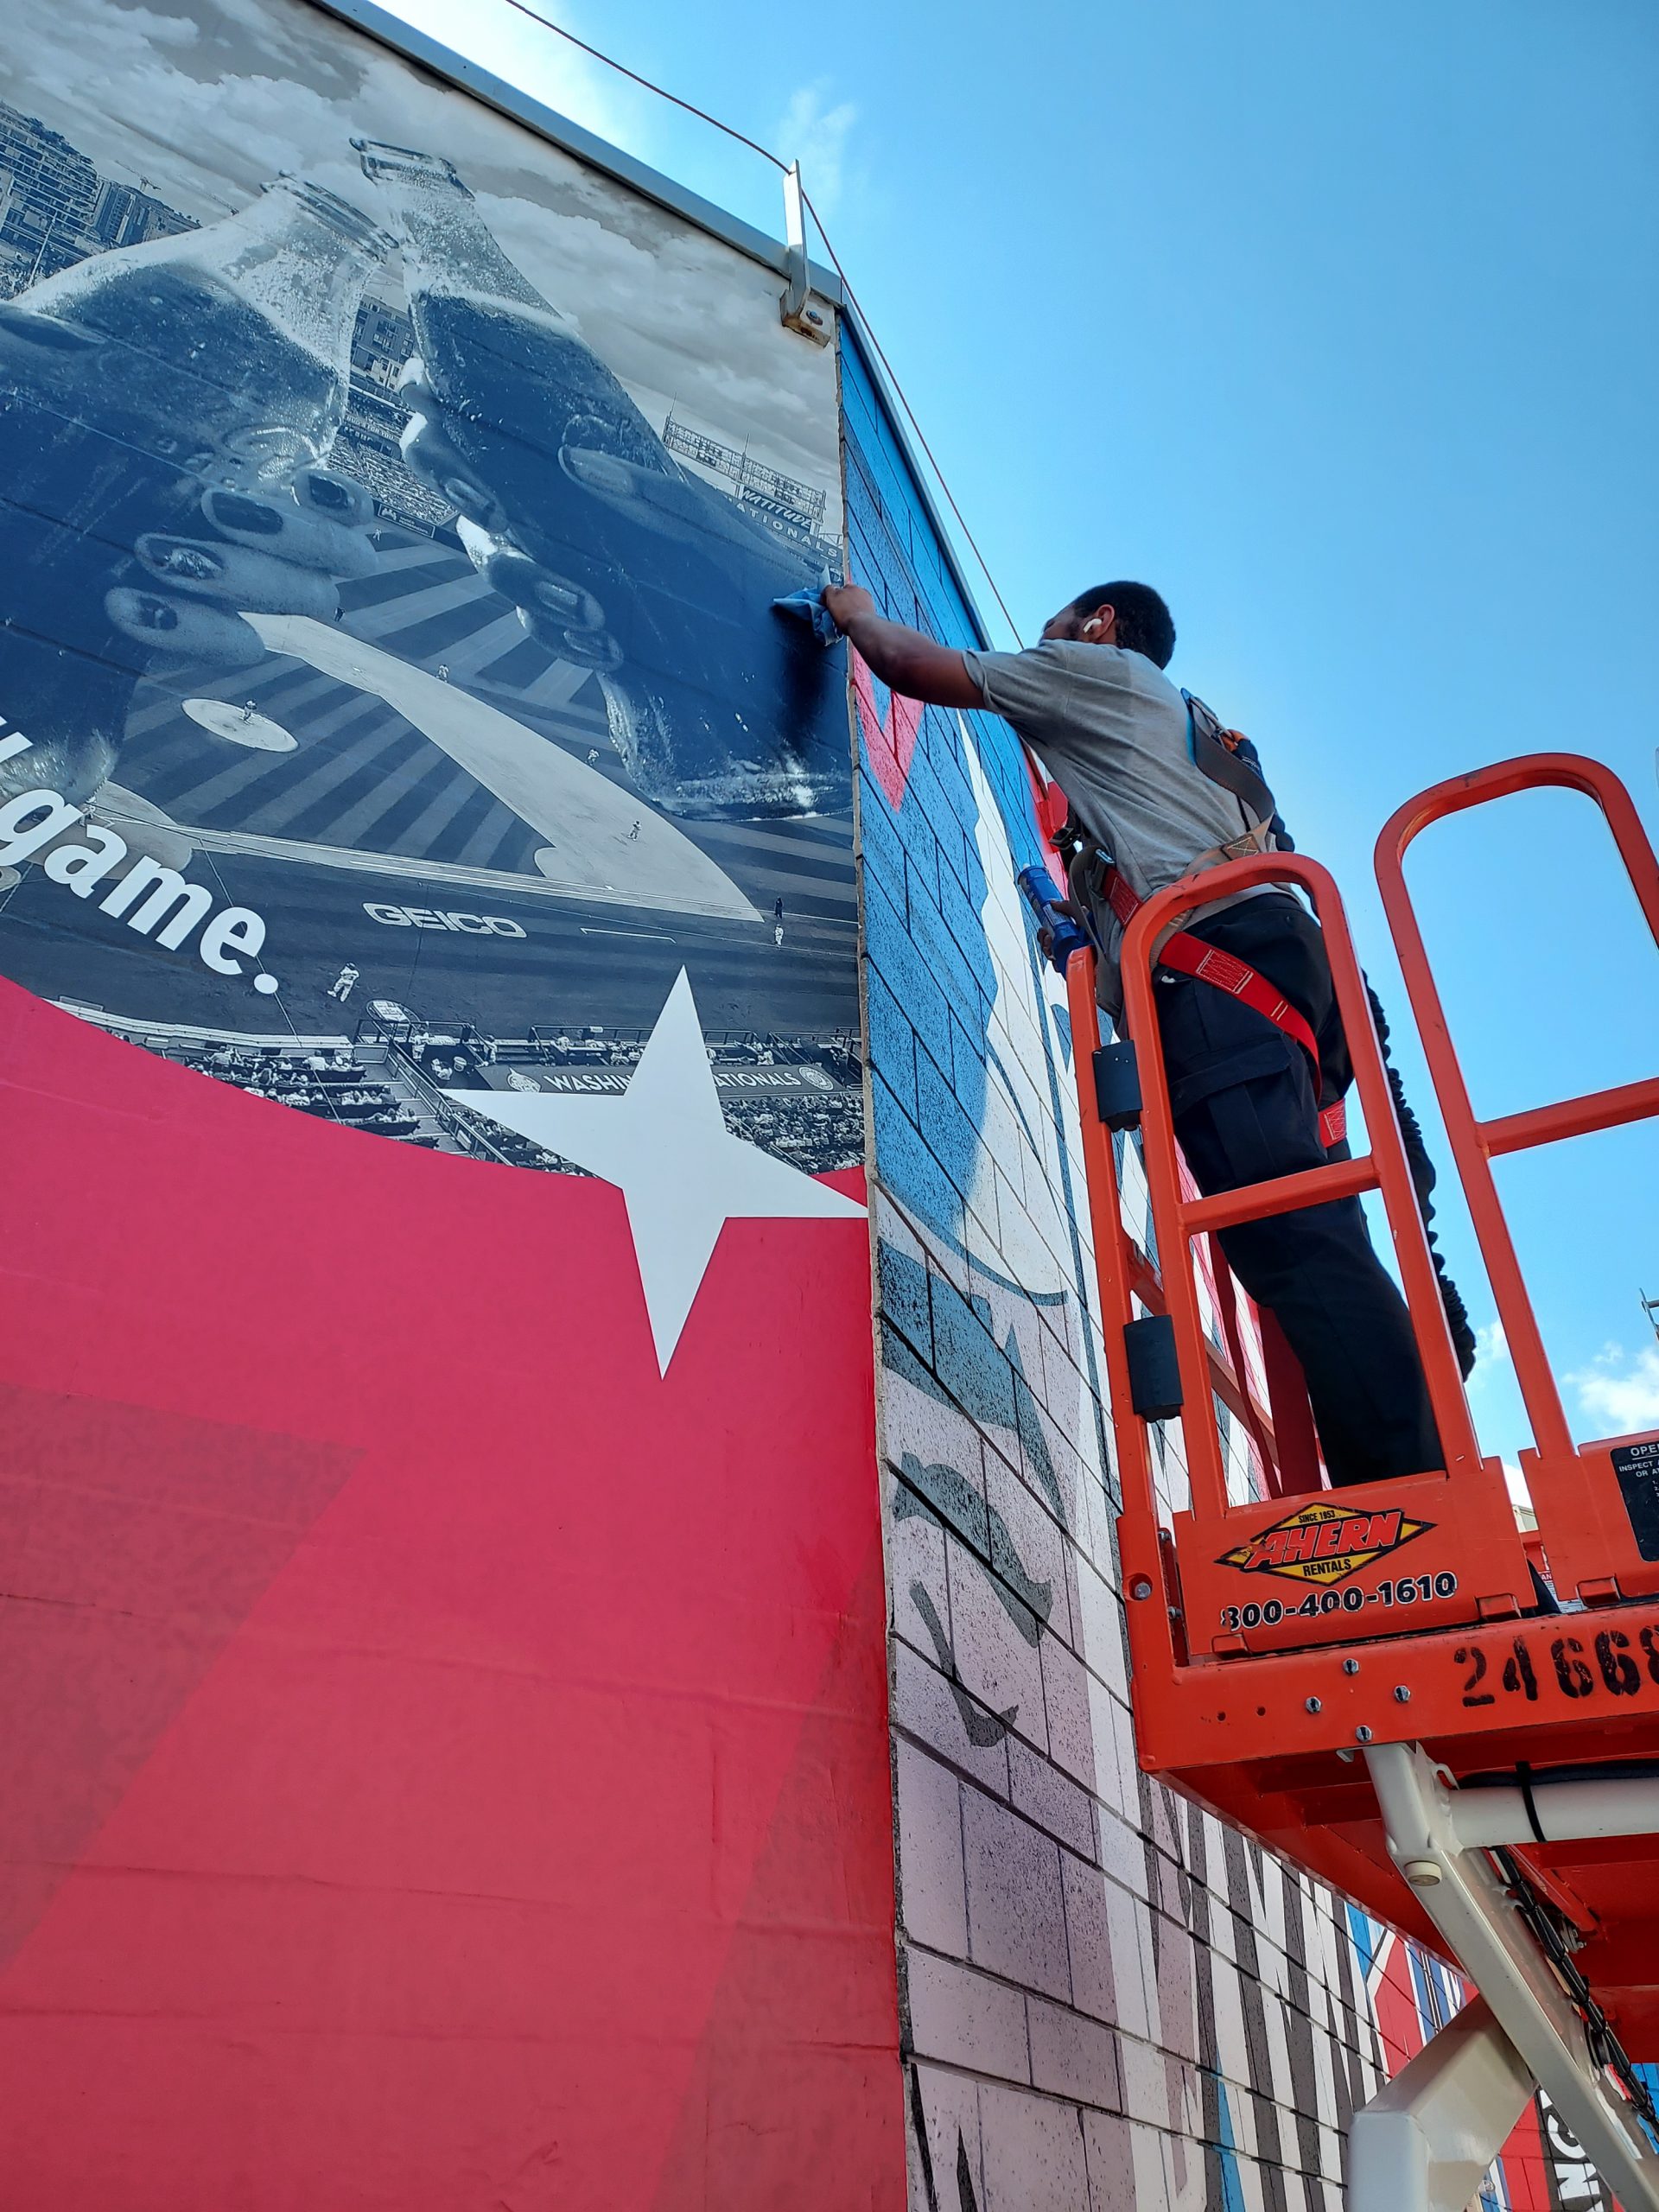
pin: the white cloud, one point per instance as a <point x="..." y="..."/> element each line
<point x="1515" y="1481"/>
<point x="816" y="135"/>
<point x="1492" y="1361"/>
<point x="1619" y="1390"/>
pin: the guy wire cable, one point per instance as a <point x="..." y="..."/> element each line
<point x="766" y="154"/>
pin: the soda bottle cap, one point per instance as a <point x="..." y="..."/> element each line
<point x="350" y="223"/>
<point x="382" y="162"/>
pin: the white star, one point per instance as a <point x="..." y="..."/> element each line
<point x="666" y="1145"/>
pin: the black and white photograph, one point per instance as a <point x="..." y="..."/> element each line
<point x="392" y="512"/>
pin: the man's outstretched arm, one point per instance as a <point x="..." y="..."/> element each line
<point x="906" y="661"/>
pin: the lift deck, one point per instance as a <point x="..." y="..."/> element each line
<point x="1361" y="1678"/>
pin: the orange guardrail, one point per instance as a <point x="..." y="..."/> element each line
<point x="1260" y="1706"/>
<point x="1600" y="1543"/>
<point x="1251" y="1578"/>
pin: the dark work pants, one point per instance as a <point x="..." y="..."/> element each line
<point x="1245" y="1109"/>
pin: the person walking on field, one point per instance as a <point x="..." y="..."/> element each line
<point x="1092" y="702"/>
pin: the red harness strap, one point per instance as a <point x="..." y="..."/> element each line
<point x="1208" y="964"/>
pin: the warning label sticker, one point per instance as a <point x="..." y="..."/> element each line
<point x="1636" y="1466"/>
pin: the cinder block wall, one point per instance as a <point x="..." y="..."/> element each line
<point x="1106" y="1998"/>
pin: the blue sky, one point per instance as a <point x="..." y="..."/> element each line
<point x="1337" y="324"/>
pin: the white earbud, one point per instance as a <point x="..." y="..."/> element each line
<point x="1091" y="625"/>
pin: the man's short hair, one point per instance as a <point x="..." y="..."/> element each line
<point x="1144" y="623"/>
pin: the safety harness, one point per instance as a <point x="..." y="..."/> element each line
<point x="1216" y="754"/>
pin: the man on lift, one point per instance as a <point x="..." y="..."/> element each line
<point x="1093" y="703"/>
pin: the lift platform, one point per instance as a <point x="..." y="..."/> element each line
<point x="1361" y="1677"/>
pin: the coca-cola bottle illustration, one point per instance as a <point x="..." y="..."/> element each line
<point x="131" y="384"/>
<point x="619" y="559"/>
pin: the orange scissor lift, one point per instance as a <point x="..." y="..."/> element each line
<point x="1361" y="1677"/>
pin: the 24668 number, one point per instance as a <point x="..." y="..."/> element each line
<point x="1569" y="1671"/>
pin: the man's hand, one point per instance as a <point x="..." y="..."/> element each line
<point x="276" y="552"/>
<point x="846" y="604"/>
<point x="907" y="661"/>
<point x="1072" y="912"/>
<point x="158" y="591"/>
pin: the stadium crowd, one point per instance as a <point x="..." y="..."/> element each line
<point x="395" y="1084"/>
<point x="329" y="1084"/>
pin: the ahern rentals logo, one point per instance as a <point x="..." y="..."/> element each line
<point x="151" y="899"/>
<point x="1323" y="1544"/>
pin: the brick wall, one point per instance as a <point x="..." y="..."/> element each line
<point x="1108" y="2000"/>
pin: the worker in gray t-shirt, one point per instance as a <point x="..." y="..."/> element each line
<point x="1111" y="730"/>
<point x="1094" y="704"/>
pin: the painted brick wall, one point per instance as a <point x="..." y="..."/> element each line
<point x="1108" y="1999"/>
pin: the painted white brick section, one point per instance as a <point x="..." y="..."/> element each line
<point x="967" y="2019"/>
<point x="1016" y="1912"/>
<point x="1034" y="2159"/>
<point x="933" y="1896"/>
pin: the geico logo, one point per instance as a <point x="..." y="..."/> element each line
<point x="428" y="917"/>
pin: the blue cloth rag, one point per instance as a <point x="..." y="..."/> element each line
<point x="807" y="606"/>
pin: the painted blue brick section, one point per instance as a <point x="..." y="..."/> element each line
<point x="950" y="1132"/>
<point x="902" y="965"/>
<point x="910" y="1171"/>
<point x="980" y="1375"/>
<point x="882" y="856"/>
<point x="892" y="1041"/>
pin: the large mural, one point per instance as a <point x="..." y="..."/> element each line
<point x="1109" y="1999"/>
<point x="392" y="512"/>
<point x="440" y="1640"/>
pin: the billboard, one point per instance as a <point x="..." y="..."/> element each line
<point x="442" y="1684"/>
<point x="392" y="510"/>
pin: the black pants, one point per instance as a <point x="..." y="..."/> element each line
<point x="1245" y="1109"/>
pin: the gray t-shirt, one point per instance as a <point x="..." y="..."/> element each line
<point x="1111" y="730"/>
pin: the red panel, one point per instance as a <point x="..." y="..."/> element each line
<point x="888" y="745"/>
<point x="449" y="1766"/>
<point x="1525" y="2171"/>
